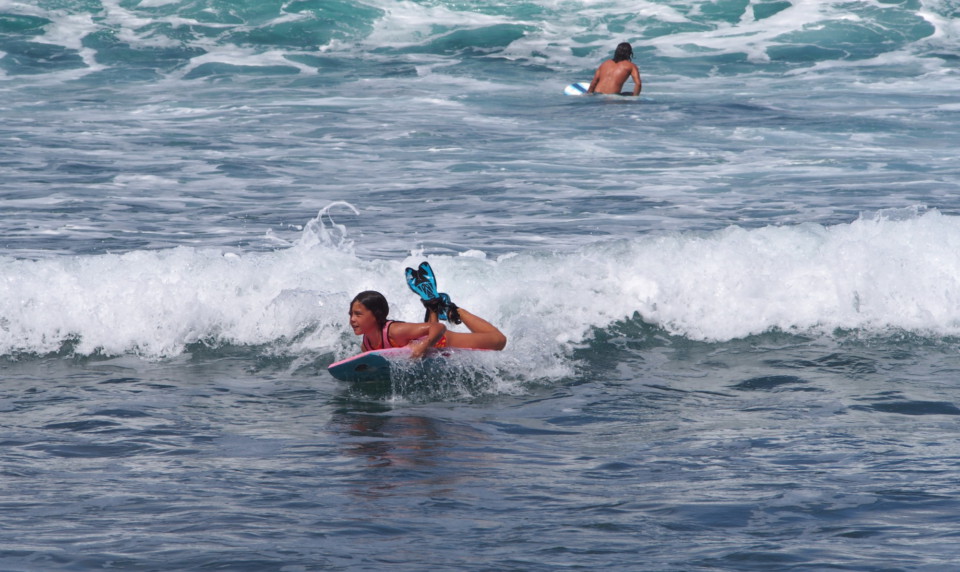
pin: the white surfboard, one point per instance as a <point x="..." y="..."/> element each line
<point x="581" y="88"/>
<point x="577" y="88"/>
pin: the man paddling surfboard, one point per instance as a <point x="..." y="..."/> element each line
<point x="612" y="74"/>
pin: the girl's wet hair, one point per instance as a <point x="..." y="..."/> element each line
<point x="376" y="303"/>
<point x="624" y="52"/>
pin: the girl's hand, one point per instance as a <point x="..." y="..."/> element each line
<point x="418" y="337"/>
<point x="418" y="349"/>
<point x="431" y="334"/>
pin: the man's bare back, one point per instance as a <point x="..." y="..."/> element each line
<point x="612" y="74"/>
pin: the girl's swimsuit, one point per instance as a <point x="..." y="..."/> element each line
<point x="367" y="345"/>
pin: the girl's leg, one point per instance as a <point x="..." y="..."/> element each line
<point x="483" y="335"/>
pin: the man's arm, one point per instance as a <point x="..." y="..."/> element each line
<point x="594" y="82"/>
<point x="637" y="86"/>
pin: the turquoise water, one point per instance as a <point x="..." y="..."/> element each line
<point x="731" y="304"/>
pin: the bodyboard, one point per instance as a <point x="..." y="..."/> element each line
<point x="376" y="365"/>
<point x="368" y="366"/>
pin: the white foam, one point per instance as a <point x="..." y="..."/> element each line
<point x="876" y="273"/>
<point x="407" y="23"/>
<point x="873" y="274"/>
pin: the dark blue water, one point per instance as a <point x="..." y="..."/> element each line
<point x="732" y="305"/>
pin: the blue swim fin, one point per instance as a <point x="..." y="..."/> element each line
<point x="424" y="283"/>
<point x="448" y="310"/>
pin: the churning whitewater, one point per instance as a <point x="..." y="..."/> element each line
<point x="732" y="304"/>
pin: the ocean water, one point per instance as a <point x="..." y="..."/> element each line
<point x="732" y="304"/>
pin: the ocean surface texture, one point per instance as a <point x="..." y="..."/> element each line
<point x="732" y="304"/>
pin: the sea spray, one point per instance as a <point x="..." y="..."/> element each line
<point x="874" y="274"/>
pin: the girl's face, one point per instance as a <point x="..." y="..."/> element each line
<point x="362" y="320"/>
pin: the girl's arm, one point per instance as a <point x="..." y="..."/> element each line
<point x="410" y="334"/>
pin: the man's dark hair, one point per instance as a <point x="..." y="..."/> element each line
<point x="624" y="52"/>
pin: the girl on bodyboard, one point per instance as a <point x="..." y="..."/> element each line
<point x="368" y="318"/>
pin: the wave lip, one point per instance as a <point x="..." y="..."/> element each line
<point x="895" y="270"/>
<point x="878" y="273"/>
